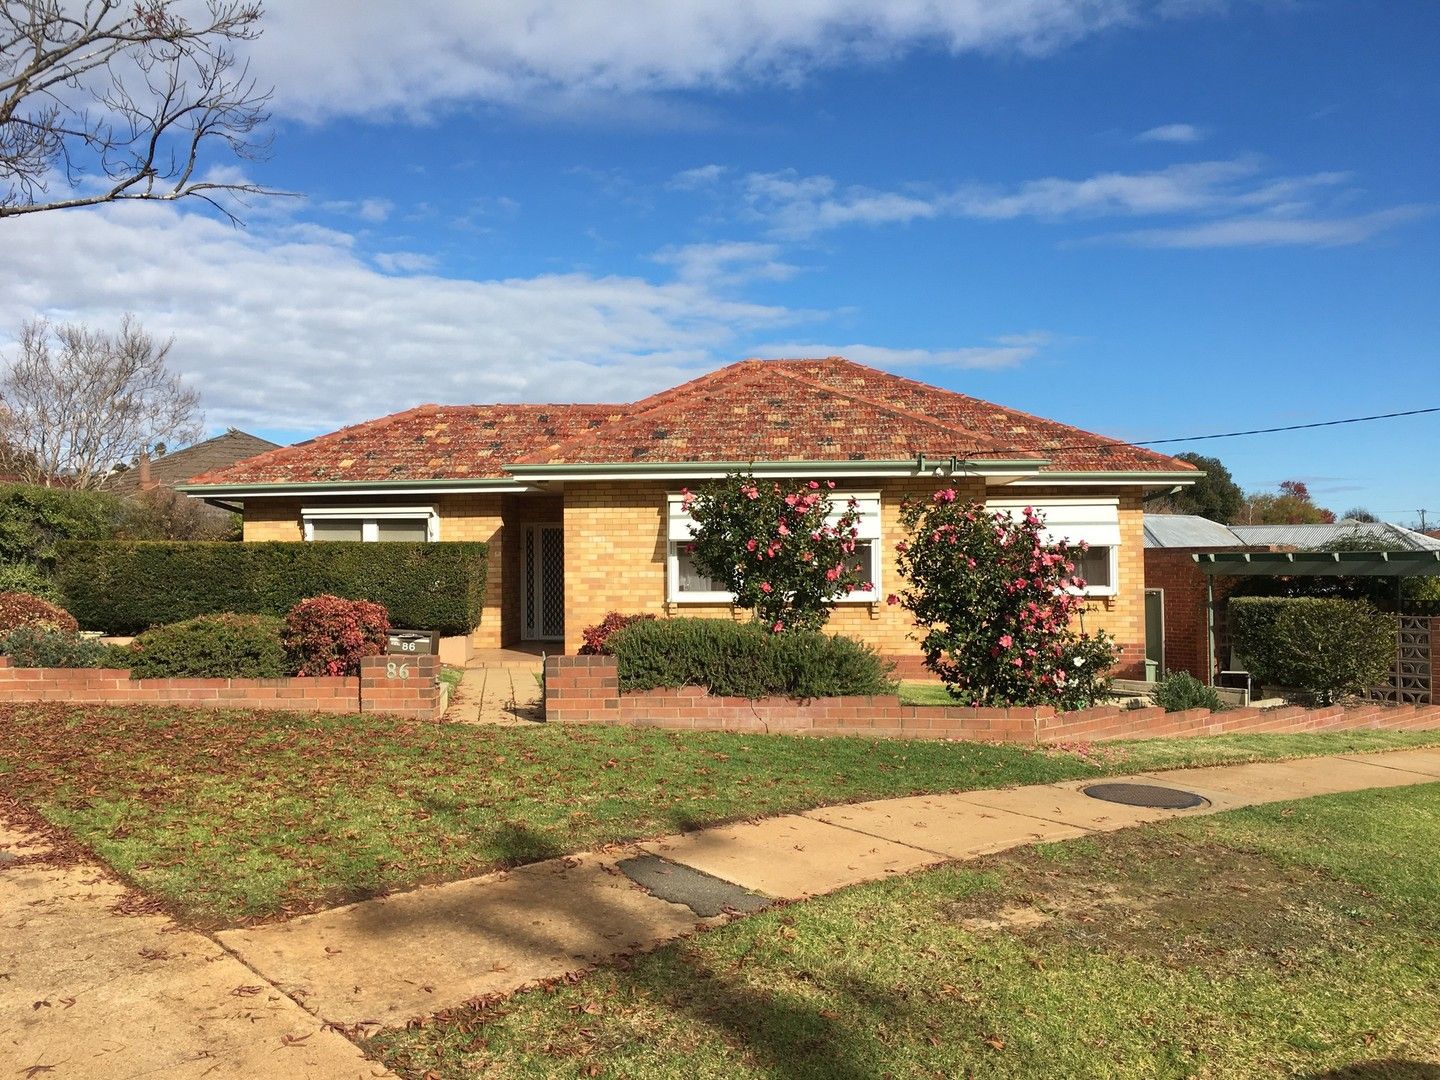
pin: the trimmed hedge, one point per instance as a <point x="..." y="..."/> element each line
<point x="1328" y="648"/>
<point x="212" y="647"/>
<point x="123" y="587"/>
<point x="745" y="660"/>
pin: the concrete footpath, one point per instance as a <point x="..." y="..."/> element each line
<point x="91" y="993"/>
<point x="380" y="962"/>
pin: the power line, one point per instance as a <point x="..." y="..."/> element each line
<point x="1220" y="435"/>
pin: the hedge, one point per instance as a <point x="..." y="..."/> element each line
<point x="1328" y="648"/>
<point x="212" y="647"/>
<point x="124" y="587"/>
<point x="745" y="660"/>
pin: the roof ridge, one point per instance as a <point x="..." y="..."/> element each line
<point x="1104" y="440"/>
<point x="894" y="409"/>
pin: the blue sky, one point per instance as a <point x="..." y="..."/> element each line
<point x="1148" y="219"/>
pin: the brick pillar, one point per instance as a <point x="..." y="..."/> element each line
<point x="403" y="686"/>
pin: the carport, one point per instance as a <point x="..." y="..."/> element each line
<point x="1373" y="564"/>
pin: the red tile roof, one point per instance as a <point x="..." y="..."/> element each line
<point x="755" y="410"/>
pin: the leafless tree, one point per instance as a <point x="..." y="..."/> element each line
<point x="73" y="401"/>
<point x="122" y="99"/>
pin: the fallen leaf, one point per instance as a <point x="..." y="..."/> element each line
<point x="995" y="1042"/>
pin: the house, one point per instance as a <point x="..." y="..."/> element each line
<point x="164" y="474"/>
<point x="1177" y="630"/>
<point x="581" y="504"/>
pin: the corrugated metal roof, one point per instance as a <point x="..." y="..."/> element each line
<point x="1315" y="537"/>
<point x="1187" y="531"/>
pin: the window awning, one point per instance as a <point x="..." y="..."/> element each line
<point x="1096" y="523"/>
<point x="1390" y="564"/>
<point x="681" y="527"/>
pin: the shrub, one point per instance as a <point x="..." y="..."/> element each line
<point x="1179" y="691"/>
<point x="328" y="635"/>
<point x="34" y="520"/>
<point x="597" y="636"/>
<point x="211" y="647"/>
<point x="782" y="551"/>
<point x="745" y="660"/>
<point x="38" y="645"/>
<point x="22" y="609"/>
<point x="27" y="577"/>
<point x="994" y="604"/>
<point x="123" y="587"/>
<point x="1326" y="648"/>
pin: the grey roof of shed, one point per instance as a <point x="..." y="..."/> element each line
<point x="1187" y="531"/>
<point x="1192" y="531"/>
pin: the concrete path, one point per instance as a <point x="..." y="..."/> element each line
<point x="380" y="962"/>
<point x="86" y="992"/>
<point x="507" y="695"/>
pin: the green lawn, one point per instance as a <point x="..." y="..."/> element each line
<point x="1298" y="939"/>
<point x="231" y="817"/>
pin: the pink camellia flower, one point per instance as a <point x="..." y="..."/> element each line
<point x="830" y="484"/>
<point x="766" y="587"/>
<point x="1018" y="662"/>
<point x="892" y="599"/>
<point x="1006" y="641"/>
<point x="791" y="500"/>
<point x="779" y="625"/>
<point x="751" y="545"/>
<point x="902" y="547"/>
<point x="815" y="484"/>
<point x="783" y="529"/>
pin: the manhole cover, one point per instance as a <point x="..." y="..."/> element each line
<point x="705" y="895"/>
<point x="1152" y="795"/>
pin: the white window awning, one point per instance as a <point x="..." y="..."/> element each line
<point x="1095" y="522"/>
<point x="680" y="527"/>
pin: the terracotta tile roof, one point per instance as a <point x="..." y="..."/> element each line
<point x="760" y="410"/>
<point x="428" y="442"/>
<point x="179" y="466"/>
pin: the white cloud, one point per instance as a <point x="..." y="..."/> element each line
<point x="1262" y="231"/>
<point x="1172" y="133"/>
<point x="373" y="211"/>
<point x="404" y="262"/>
<point x="289" y="327"/>
<point x="727" y="262"/>
<point x="1223" y="203"/>
<point x="322" y="54"/>
<point x="1004" y="352"/>
<point x="700" y="177"/>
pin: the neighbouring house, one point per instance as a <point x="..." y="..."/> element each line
<point x="168" y="471"/>
<point x="1177" y="631"/>
<point x="581" y="504"/>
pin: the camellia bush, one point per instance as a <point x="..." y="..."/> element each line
<point x="781" y="549"/>
<point x="995" y="605"/>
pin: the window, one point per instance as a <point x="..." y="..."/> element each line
<point x="685" y="583"/>
<point x="371" y="524"/>
<point x="1096" y="522"/>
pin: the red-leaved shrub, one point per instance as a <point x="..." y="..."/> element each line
<point x="596" y="636"/>
<point x="22" y="609"/>
<point x="327" y="635"/>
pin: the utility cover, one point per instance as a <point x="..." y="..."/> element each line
<point x="705" y="895"/>
<point x="1151" y="795"/>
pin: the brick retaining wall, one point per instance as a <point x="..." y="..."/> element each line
<point x="378" y="689"/>
<point x="586" y="690"/>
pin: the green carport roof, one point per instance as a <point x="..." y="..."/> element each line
<point x="1390" y="564"/>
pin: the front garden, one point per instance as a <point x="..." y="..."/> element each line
<point x="235" y="816"/>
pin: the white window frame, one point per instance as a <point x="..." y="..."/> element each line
<point x="675" y="515"/>
<point x="1104" y="507"/>
<point x="370" y="518"/>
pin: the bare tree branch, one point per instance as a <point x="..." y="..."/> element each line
<point x="75" y="401"/>
<point x="122" y="101"/>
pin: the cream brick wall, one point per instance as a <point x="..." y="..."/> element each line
<point x="273" y="519"/>
<point x="615" y="550"/>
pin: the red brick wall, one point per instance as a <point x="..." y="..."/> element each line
<point x="1175" y="572"/>
<point x="586" y="689"/>
<point x="416" y="696"/>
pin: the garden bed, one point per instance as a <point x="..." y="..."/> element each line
<point x="586" y="689"/>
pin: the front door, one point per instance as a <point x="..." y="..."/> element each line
<point x="1155" y="628"/>
<point x="544" y="582"/>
